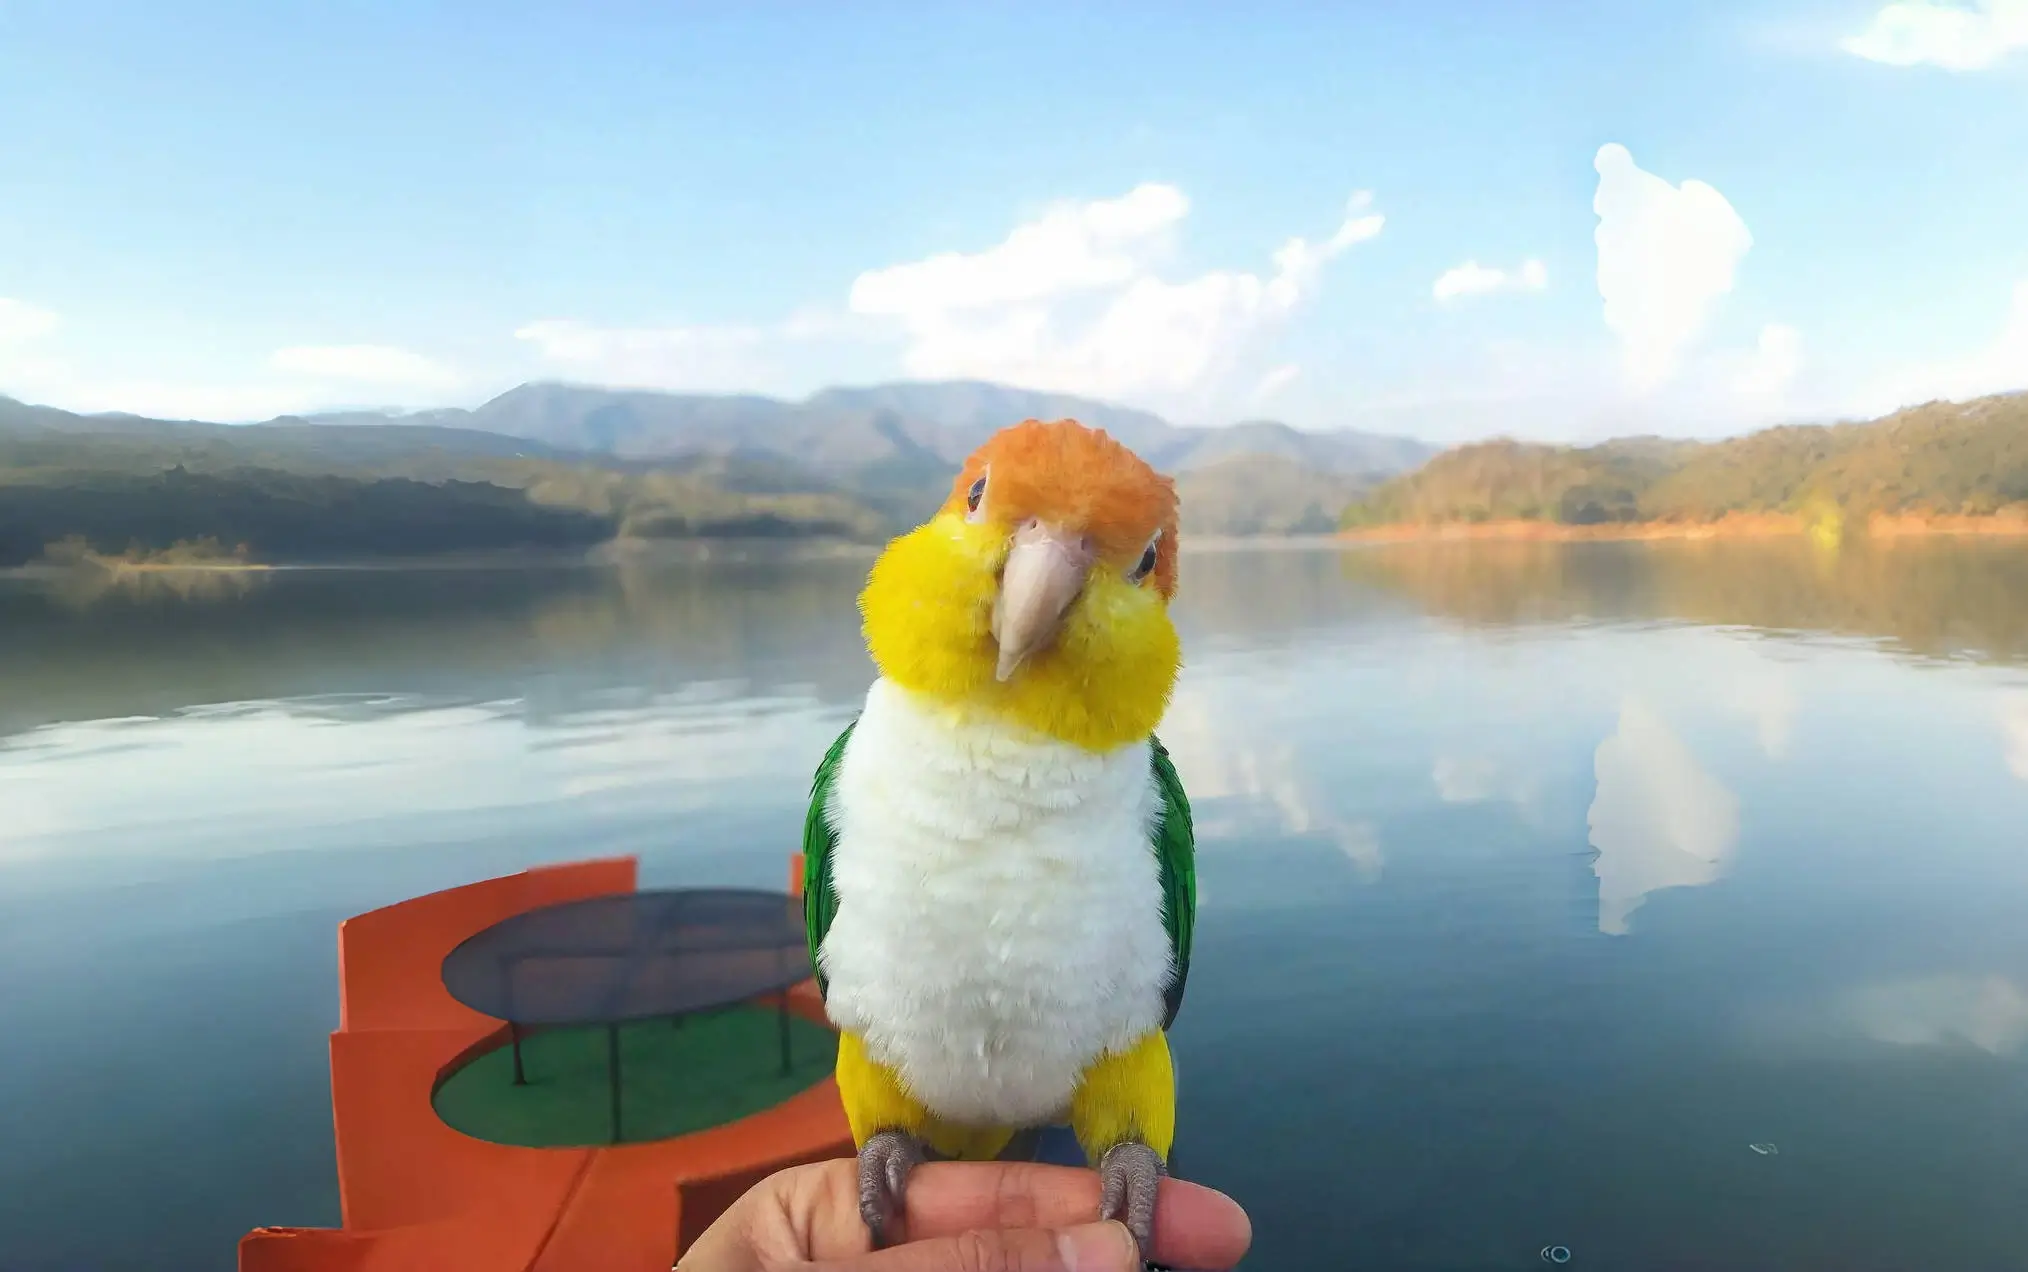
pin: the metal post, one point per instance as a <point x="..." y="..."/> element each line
<point x="782" y="1009"/>
<point x="782" y="1018"/>
<point x="514" y="1032"/>
<point x="613" y="1074"/>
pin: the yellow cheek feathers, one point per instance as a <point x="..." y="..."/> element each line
<point x="928" y="608"/>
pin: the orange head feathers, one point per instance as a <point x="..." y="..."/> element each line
<point x="1039" y="591"/>
<point x="1068" y="475"/>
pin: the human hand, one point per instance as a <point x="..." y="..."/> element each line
<point x="964" y="1217"/>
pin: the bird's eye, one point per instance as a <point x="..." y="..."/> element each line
<point x="975" y="494"/>
<point x="1146" y="565"/>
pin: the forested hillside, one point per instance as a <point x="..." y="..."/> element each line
<point x="1948" y="459"/>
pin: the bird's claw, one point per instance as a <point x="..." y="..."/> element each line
<point x="884" y="1164"/>
<point x="1130" y="1172"/>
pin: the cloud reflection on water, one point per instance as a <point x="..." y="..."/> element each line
<point x="1988" y="1011"/>
<point x="1246" y="773"/>
<point x="1658" y="818"/>
<point x="296" y="772"/>
<point x="1759" y="689"/>
<point x="2014" y="729"/>
<point x="1468" y="778"/>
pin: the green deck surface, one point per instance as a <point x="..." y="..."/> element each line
<point x="674" y="1079"/>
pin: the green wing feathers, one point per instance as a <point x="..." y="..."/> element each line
<point x="820" y="903"/>
<point x="1175" y="847"/>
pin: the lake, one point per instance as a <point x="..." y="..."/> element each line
<point x="1538" y="884"/>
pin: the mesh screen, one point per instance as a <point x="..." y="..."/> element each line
<point x="632" y="956"/>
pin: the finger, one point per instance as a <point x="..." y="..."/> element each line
<point x="1091" y="1247"/>
<point x="1195" y="1226"/>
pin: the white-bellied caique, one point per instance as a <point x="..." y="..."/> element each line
<point x="999" y="866"/>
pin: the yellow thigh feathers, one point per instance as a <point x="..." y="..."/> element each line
<point x="1124" y="1095"/>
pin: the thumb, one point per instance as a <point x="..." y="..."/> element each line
<point x="1091" y="1247"/>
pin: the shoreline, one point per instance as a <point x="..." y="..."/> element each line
<point x="1754" y="526"/>
<point x="623" y="554"/>
<point x="612" y="554"/>
<point x="609" y="555"/>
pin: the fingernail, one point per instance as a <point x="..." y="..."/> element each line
<point x="1098" y="1247"/>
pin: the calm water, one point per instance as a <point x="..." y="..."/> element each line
<point x="1537" y="884"/>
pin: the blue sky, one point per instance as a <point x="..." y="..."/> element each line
<point x="233" y="210"/>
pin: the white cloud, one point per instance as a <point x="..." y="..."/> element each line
<point x="366" y="364"/>
<point x="1666" y="255"/>
<point x="1275" y="381"/>
<point x="22" y="363"/>
<point x="1072" y="247"/>
<point x="1771" y="368"/>
<point x="21" y="322"/>
<point x="2014" y="728"/>
<point x="306" y="377"/>
<point x="1073" y="301"/>
<point x="1955" y="37"/>
<point x="1999" y="367"/>
<point x="1657" y="818"/>
<point x="698" y="358"/>
<point x="1474" y="279"/>
<point x="814" y="346"/>
<point x="183" y="400"/>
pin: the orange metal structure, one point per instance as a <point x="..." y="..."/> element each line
<point x="417" y="1196"/>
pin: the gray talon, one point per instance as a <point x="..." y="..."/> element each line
<point x="1130" y="1173"/>
<point x="884" y="1164"/>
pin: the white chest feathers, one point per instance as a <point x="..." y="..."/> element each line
<point x="999" y="921"/>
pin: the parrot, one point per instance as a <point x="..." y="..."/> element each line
<point x="999" y="864"/>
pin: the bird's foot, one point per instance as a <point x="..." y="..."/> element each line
<point x="1129" y="1173"/>
<point x="884" y="1164"/>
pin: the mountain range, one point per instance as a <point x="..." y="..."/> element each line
<point x="567" y="466"/>
<point x="856" y="462"/>
<point x="850" y="432"/>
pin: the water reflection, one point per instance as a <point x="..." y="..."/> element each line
<point x="1935" y="597"/>
<point x="84" y="647"/>
<point x="1989" y="1012"/>
<point x="82" y="587"/>
<point x="1763" y="693"/>
<point x="1481" y="779"/>
<point x="561" y="638"/>
<point x="316" y="772"/>
<point x="1248" y="777"/>
<point x="2014" y="729"/>
<point x="1400" y="981"/>
<point x="1658" y="819"/>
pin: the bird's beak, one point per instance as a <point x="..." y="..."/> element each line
<point x="1045" y="571"/>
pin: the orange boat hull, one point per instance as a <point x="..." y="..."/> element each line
<point x="416" y="1195"/>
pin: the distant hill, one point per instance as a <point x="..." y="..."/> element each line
<point x="852" y="462"/>
<point x="301" y="491"/>
<point x="1349" y="453"/>
<point x="1249" y="494"/>
<point x="1940" y="459"/>
<point x="895" y="446"/>
<point x="895" y="427"/>
<point x="281" y="516"/>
